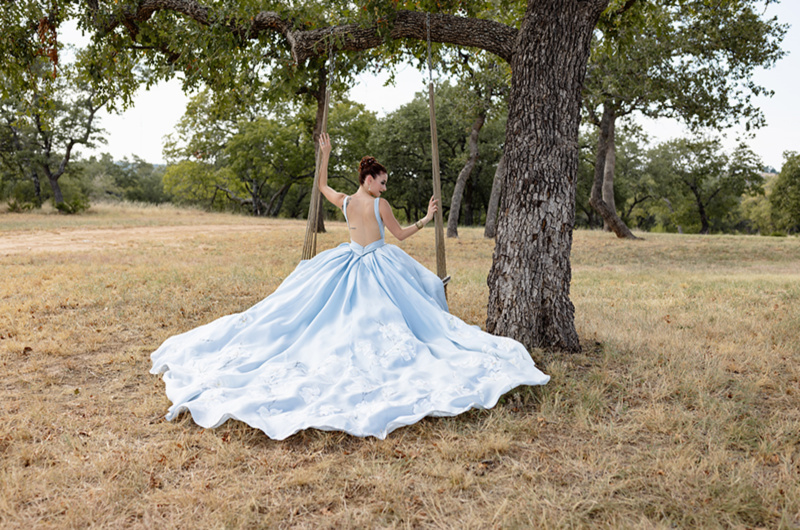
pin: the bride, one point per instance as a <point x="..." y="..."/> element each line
<point x="357" y="339"/>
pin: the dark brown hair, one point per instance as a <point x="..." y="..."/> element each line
<point x="369" y="166"/>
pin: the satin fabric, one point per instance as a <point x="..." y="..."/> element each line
<point x="357" y="339"/>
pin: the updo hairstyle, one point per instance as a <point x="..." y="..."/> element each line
<point x="369" y="166"/>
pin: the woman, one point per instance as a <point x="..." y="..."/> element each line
<point x="357" y="339"/>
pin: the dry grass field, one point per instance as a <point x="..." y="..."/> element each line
<point x="682" y="411"/>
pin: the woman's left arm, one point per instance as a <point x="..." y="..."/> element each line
<point x="336" y="197"/>
<point x="393" y="225"/>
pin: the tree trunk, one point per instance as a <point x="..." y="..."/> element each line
<point x="530" y="276"/>
<point x="57" y="196"/>
<point x="705" y="227"/>
<point x="608" y="172"/>
<point x="467" y="203"/>
<point x="37" y="188"/>
<point x="255" y="191"/>
<point x="319" y="227"/>
<point x="466" y="171"/>
<point x="494" y="198"/>
<point x="276" y="202"/>
<point x="607" y="212"/>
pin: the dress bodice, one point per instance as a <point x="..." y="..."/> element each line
<point x="375" y="245"/>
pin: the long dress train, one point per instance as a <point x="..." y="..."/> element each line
<point x="357" y="339"/>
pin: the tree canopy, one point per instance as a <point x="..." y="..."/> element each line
<point x="546" y="44"/>
<point x="681" y="59"/>
<point x="229" y="152"/>
<point x="401" y="141"/>
<point x="785" y="197"/>
<point x="43" y="128"/>
<point x="700" y="183"/>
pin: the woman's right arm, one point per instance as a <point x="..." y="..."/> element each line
<point x="331" y="194"/>
<point x="391" y="223"/>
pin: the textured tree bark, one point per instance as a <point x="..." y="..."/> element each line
<point x="608" y="172"/>
<point x="609" y="215"/>
<point x="463" y="176"/>
<point x="489" y="35"/>
<point x="494" y="199"/>
<point x="530" y="276"/>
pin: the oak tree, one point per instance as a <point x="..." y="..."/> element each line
<point x="785" y="197"/>
<point x="690" y="60"/>
<point x="547" y="49"/>
<point x="700" y="182"/>
<point x="43" y="128"/>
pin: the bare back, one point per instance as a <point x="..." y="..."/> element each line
<point x="361" y="215"/>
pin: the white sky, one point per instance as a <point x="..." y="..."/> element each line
<point x="140" y="129"/>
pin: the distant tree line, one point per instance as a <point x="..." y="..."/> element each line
<point x="691" y="185"/>
<point x="230" y="159"/>
<point x="246" y="144"/>
<point x="226" y="157"/>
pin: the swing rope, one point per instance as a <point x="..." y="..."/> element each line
<point x="310" y="242"/>
<point x="441" y="262"/>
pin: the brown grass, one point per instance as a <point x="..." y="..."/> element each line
<point x="682" y="411"/>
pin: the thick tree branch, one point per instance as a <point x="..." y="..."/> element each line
<point x="636" y="201"/>
<point x="232" y="196"/>
<point x="83" y="139"/>
<point x="263" y="21"/>
<point x="488" y="35"/>
<point x="711" y="197"/>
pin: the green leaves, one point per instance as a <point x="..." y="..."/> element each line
<point x="256" y="154"/>
<point x="703" y="185"/>
<point x="785" y="197"/>
<point x="402" y="143"/>
<point x="41" y="128"/>
<point x="692" y="60"/>
<point x="29" y="41"/>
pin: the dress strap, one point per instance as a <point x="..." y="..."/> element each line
<point x="378" y="215"/>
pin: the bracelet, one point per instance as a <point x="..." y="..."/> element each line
<point x="419" y="224"/>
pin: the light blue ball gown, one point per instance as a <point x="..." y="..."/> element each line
<point x="357" y="339"/>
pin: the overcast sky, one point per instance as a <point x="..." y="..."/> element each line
<point x="140" y="130"/>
